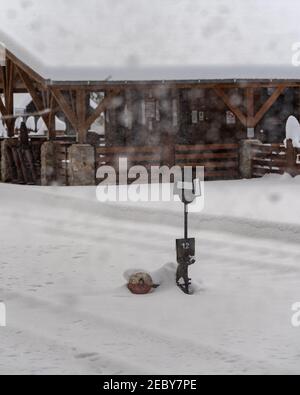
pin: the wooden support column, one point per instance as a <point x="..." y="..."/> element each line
<point x="81" y="111"/>
<point x="3" y="110"/>
<point x="9" y="96"/>
<point x="250" y="107"/>
<point x="9" y="87"/>
<point x="130" y="113"/>
<point x="51" y="119"/>
<point x="250" y="112"/>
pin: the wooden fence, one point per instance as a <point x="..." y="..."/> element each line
<point x="146" y="156"/>
<point x="275" y="159"/>
<point x="221" y="161"/>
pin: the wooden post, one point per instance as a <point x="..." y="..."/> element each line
<point x="291" y="158"/>
<point x="81" y="115"/>
<point x="128" y="102"/>
<point x="51" y="121"/>
<point x="250" y="112"/>
<point x="9" y="96"/>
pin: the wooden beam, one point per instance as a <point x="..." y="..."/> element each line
<point x="28" y="70"/>
<point x="250" y="106"/>
<point x="226" y="99"/>
<point x="72" y="101"/>
<point x="45" y="100"/>
<point x="51" y="119"/>
<point x="65" y="107"/>
<point x="98" y="86"/>
<point x="81" y="106"/>
<point x="268" y="104"/>
<point x="3" y="109"/>
<point x="38" y="102"/>
<point x="8" y="74"/>
<point x="9" y="86"/>
<point x="81" y="115"/>
<point x="101" y="108"/>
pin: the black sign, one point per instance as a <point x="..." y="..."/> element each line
<point x="185" y="248"/>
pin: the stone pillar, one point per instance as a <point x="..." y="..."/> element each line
<point x="48" y="163"/>
<point x="81" y="165"/>
<point x="246" y="153"/>
<point x="7" y="172"/>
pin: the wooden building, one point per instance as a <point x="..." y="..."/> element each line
<point x="154" y="112"/>
<point x="150" y="113"/>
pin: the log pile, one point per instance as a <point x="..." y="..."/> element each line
<point x="20" y="162"/>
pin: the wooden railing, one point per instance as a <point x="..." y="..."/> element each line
<point x="275" y="159"/>
<point x="268" y="159"/>
<point x="147" y="156"/>
<point x="221" y="161"/>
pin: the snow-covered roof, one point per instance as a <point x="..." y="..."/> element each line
<point x="153" y="40"/>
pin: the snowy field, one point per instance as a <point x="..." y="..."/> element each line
<point x="62" y="260"/>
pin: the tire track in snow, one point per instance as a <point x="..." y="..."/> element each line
<point x="129" y="339"/>
<point x="147" y="348"/>
<point x="146" y="239"/>
<point x="64" y="357"/>
<point x="233" y="225"/>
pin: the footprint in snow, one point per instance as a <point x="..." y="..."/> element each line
<point x="86" y="355"/>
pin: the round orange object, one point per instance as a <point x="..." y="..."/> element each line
<point x="140" y="284"/>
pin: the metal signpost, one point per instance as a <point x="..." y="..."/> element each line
<point x="187" y="191"/>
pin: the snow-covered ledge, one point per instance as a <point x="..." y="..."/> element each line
<point x="245" y="164"/>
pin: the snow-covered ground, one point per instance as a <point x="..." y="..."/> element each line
<point x="62" y="260"/>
